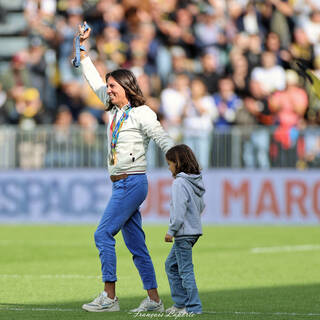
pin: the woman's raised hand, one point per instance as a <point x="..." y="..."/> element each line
<point x="84" y="32"/>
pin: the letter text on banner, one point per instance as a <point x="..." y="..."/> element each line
<point x="164" y="187"/>
<point x="267" y="200"/>
<point x="230" y="192"/>
<point x="316" y="197"/>
<point x="296" y="192"/>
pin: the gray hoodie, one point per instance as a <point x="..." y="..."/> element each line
<point x="186" y="205"/>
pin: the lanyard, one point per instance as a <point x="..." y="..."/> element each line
<point x="76" y="59"/>
<point x="115" y="130"/>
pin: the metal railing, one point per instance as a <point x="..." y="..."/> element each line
<point x="239" y="147"/>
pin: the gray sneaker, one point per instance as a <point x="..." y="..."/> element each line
<point x="102" y="304"/>
<point x="149" y="305"/>
<point x="176" y="310"/>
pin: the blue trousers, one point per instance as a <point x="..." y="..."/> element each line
<point x="179" y="269"/>
<point x="122" y="213"/>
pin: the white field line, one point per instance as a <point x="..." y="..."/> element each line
<point x="265" y="313"/>
<point x="293" y="314"/>
<point x="4" y="308"/>
<point x="305" y="247"/>
<point x="49" y="276"/>
<point x="43" y="243"/>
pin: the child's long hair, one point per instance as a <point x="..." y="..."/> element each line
<point x="184" y="159"/>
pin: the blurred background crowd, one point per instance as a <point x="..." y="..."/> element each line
<point x="212" y="70"/>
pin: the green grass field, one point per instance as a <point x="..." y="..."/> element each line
<point x="270" y="272"/>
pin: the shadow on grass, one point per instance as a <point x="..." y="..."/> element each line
<point x="279" y="303"/>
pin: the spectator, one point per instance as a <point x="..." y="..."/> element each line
<point x="90" y="148"/>
<point x="270" y="74"/>
<point x="30" y="109"/>
<point x="14" y="81"/>
<point x="31" y="113"/>
<point x="139" y="56"/>
<point x="147" y="32"/>
<point x="180" y="63"/>
<point x="39" y="8"/>
<point x="209" y="32"/>
<point x="232" y="28"/>
<point x="185" y="36"/>
<point x="289" y="106"/>
<point x="199" y="114"/>
<point x="173" y="99"/>
<point x="253" y="52"/>
<point x="281" y="21"/>
<point x="302" y="10"/>
<point x="39" y="75"/>
<point x="71" y="95"/>
<point x="209" y="72"/>
<point x="132" y="22"/>
<point x="257" y="118"/>
<point x="60" y="150"/>
<point x="311" y="145"/>
<point x="227" y="103"/>
<point x="3" y="111"/>
<point x="302" y="48"/>
<point x="250" y="20"/>
<point x="312" y="29"/>
<point x="112" y="48"/>
<point x="314" y="103"/>
<point x="241" y="76"/>
<point x="147" y="86"/>
<point x="40" y="16"/>
<point x="113" y="16"/>
<point x="240" y="45"/>
<point x="273" y="44"/>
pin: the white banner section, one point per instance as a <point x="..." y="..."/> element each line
<point x="80" y="196"/>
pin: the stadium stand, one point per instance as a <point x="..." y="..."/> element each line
<point x="236" y="48"/>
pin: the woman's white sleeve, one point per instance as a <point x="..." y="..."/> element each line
<point x="154" y="130"/>
<point x="94" y="79"/>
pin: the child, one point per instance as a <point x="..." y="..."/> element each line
<point x="185" y="226"/>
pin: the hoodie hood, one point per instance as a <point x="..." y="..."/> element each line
<point x="195" y="181"/>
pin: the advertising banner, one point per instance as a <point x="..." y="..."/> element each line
<point x="232" y="197"/>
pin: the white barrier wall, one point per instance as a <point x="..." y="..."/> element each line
<point x="80" y="196"/>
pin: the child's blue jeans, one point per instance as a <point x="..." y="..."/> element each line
<point x="122" y="213"/>
<point x="179" y="269"/>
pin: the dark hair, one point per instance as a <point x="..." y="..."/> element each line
<point x="129" y="83"/>
<point x="184" y="159"/>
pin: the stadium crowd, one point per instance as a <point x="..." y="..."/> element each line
<point x="204" y="66"/>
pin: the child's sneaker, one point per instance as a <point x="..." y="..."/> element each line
<point x="176" y="310"/>
<point x="102" y="304"/>
<point x="149" y="305"/>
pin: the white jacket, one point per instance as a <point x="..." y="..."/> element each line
<point x="136" y="131"/>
